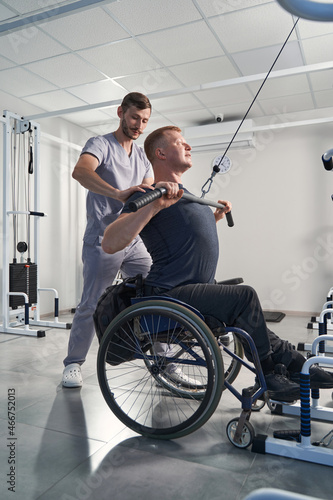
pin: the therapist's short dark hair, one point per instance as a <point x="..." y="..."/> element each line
<point x="136" y="99"/>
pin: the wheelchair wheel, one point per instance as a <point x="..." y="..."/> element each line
<point x="231" y="368"/>
<point x="247" y="435"/>
<point x="156" y="394"/>
<point x="231" y="365"/>
<point x="176" y="381"/>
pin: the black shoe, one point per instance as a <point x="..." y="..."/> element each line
<point x="280" y="388"/>
<point x="319" y="378"/>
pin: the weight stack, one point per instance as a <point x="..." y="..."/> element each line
<point x="22" y="278"/>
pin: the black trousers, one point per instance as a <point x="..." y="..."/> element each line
<point x="234" y="305"/>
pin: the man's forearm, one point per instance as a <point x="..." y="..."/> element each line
<point x="122" y="231"/>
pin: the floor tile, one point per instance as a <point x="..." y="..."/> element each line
<point x="70" y="446"/>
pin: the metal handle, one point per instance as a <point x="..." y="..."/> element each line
<point x="158" y="192"/>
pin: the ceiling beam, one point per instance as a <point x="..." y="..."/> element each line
<point x="196" y="88"/>
<point x="24" y="21"/>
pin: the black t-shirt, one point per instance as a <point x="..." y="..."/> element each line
<point x="182" y="241"/>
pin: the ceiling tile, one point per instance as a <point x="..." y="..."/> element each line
<point x="85" y="29"/>
<point x="154" y="80"/>
<point x="205" y="71"/>
<point x="19" y="82"/>
<point x="103" y="128"/>
<point x="322" y="80"/>
<point x="222" y="7"/>
<point x="110" y="113"/>
<point x="52" y="101"/>
<point x="101" y="91"/>
<point x="284" y="86"/>
<point x="324" y="98"/>
<point x="29" y="45"/>
<point x="12" y="103"/>
<point x="237" y="111"/>
<point x="191" y="117"/>
<point x="5" y="13"/>
<point x="120" y="59"/>
<point x="175" y="103"/>
<point x="183" y="44"/>
<point x="318" y="49"/>
<point x="253" y="62"/>
<point x="65" y="71"/>
<point x="5" y="63"/>
<point x="149" y="15"/>
<point x="91" y="118"/>
<point x="225" y="95"/>
<point x="248" y="29"/>
<point x="287" y="104"/>
<point x="24" y="7"/>
<point x="308" y="29"/>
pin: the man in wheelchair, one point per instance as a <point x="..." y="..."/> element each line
<point x="181" y="237"/>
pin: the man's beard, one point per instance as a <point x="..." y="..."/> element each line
<point x="127" y="131"/>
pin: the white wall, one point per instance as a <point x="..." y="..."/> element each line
<point x="282" y="241"/>
<point x="63" y="200"/>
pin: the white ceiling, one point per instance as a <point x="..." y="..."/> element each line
<point x="194" y="59"/>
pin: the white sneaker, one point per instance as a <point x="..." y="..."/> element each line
<point x="72" y="376"/>
<point x="176" y="374"/>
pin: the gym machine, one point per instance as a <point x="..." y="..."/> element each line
<point x="318" y="412"/>
<point x="297" y="444"/>
<point x="323" y="322"/>
<point x="21" y="214"/>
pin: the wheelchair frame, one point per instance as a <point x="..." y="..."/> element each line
<point x="173" y="312"/>
<point x="194" y="404"/>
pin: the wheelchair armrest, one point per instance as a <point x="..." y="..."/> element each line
<point x="232" y="281"/>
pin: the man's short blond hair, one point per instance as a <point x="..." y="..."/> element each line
<point x="157" y="139"/>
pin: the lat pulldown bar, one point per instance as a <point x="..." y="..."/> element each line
<point x="159" y="192"/>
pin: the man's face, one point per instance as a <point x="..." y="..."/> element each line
<point x="177" y="150"/>
<point x="134" y="121"/>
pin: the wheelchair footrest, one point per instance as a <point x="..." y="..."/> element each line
<point x="288" y="435"/>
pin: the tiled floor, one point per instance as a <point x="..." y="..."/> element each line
<point x="70" y="446"/>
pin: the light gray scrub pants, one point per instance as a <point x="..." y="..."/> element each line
<point x="99" y="271"/>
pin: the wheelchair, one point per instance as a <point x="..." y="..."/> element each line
<point x="138" y="382"/>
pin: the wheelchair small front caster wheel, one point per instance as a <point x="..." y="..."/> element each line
<point x="271" y="405"/>
<point x="257" y="405"/>
<point x="247" y="435"/>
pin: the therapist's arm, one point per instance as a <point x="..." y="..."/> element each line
<point x="85" y="173"/>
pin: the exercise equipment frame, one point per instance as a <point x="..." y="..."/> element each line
<point x="317" y="411"/>
<point x="323" y="323"/>
<point x="14" y="124"/>
<point x="302" y="448"/>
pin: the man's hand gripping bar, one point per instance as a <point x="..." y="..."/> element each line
<point x="158" y="192"/>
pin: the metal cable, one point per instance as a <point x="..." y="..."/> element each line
<point x="216" y="168"/>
